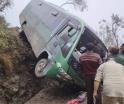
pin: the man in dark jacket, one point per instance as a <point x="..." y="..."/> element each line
<point x="90" y="61"/>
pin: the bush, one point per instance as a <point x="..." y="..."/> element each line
<point x="7" y="40"/>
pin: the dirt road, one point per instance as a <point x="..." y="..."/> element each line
<point x="48" y="96"/>
<point x="51" y="96"/>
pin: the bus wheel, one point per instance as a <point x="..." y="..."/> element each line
<point x="40" y="67"/>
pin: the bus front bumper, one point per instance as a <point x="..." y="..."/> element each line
<point x="62" y="75"/>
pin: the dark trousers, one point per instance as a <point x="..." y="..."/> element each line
<point x="90" y="87"/>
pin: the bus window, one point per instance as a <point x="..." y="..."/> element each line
<point x="66" y="39"/>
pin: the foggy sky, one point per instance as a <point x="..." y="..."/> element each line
<point x="97" y="10"/>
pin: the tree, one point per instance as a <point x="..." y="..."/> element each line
<point x="4" y="4"/>
<point x="109" y="31"/>
<point x="81" y="4"/>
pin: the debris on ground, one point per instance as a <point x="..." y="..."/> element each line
<point x="79" y="100"/>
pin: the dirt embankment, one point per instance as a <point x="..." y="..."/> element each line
<point x="18" y="83"/>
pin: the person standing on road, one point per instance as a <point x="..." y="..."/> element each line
<point x="112" y="75"/>
<point x="90" y="61"/>
<point x="119" y="58"/>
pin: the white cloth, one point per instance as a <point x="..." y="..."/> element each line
<point x="112" y="75"/>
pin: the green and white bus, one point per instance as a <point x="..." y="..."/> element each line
<point x="54" y="35"/>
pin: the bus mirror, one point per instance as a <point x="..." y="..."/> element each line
<point x="82" y="49"/>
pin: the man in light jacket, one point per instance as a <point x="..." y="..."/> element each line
<point x="112" y="75"/>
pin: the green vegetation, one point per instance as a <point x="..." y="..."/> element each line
<point x="4" y="34"/>
<point x="6" y="38"/>
<point x="8" y="47"/>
